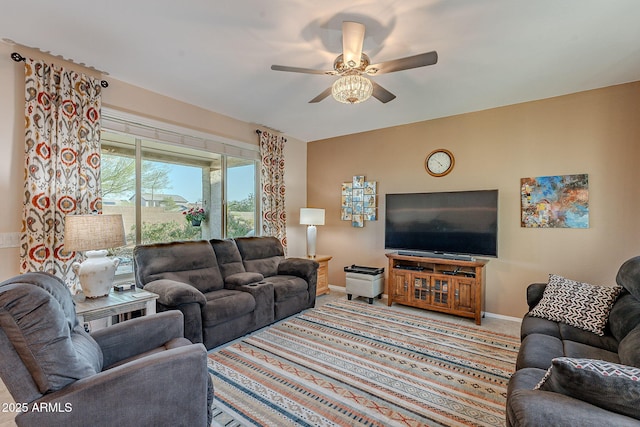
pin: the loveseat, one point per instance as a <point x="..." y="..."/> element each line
<point x="226" y="288"/>
<point x="568" y="376"/>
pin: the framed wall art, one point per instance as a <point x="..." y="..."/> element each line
<point x="359" y="201"/>
<point x="555" y="201"/>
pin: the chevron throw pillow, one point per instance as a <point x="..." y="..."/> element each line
<point x="577" y="304"/>
<point x="608" y="385"/>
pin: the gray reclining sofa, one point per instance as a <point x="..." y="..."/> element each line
<point x="595" y="379"/>
<point x="226" y="288"/>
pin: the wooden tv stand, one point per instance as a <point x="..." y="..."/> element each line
<point x="439" y="284"/>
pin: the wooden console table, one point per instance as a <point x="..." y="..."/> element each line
<point x="439" y="284"/>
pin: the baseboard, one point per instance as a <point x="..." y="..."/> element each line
<point x="337" y="288"/>
<point x="502" y="317"/>
<point x="343" y="290"/>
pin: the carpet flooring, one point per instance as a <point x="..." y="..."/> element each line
<point x="350" y="364"/>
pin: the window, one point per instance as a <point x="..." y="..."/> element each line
<point x="152" y="184"/>
<point x="241" y="200"/>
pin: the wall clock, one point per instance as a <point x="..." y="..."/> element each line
<point x="439" y="162"/>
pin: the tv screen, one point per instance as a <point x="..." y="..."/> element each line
<point x="459" y="222"/>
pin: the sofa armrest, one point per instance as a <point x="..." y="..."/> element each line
<point x="234" y="281"/>
<point x="137" y="336"/>
<point x="173" y="293"/>
<point x="165" y="388"/>
<point x="534" y="294"/>
<point x="304" y="268"/>
<point x="263" y="293"/>
<point x="300" y="267"/>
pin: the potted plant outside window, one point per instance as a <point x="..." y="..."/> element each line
<point x="195" y="216"/>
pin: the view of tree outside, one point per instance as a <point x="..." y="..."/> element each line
<point x="118" y="176"/>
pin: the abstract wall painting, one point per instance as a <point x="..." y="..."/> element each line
<point x="359" y="201"/>
<point x="555" y="201"/>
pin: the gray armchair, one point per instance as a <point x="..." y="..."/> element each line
<point x="139" y="372"/>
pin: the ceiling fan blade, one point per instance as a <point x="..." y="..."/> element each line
<point x="301" y="70"/>
<point x="322" y="96"/>
<point x="407" y="63"/>
<point x="352" y="39"/>
<point x="381" y="94"/>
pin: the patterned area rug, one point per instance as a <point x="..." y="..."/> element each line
<point x="348" y="363"/>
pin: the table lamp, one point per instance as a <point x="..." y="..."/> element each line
<point x="311" y="217"/>
<point x="94" y="234"/>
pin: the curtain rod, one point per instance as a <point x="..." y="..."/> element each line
<point x="19" y="58"/>
<point x="259" y="132"/>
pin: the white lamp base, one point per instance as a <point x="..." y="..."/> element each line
<point x="312" y="232"/>
<point x="96" y="273"/>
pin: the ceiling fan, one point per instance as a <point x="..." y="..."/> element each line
<point x="353" y="66"/>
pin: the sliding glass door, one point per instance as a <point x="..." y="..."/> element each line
<point x="241" y="199"/>
<point x="153" y="185"/>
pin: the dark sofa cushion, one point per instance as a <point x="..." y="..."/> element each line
<point x="629" y="348"/>
<point x="624" y="316"/>
<point x="580" y="350"/>
<point x="191" y="262"/>
<point x="629" y="276"/>
<point x="266" y="266"/>
<point x="578" y="304"/>
<point x="261" y="254"/>
<point x="537" y="325"/>
<point x="228" y="255"/>
<point x="225" y="305"/>
<point x="537" y="351"/>
<point x="285" y="287"/>
<point x="608" y="385"/>
<point x="571" y="333"/>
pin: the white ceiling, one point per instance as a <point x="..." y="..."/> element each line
<point x="217" y="53"/>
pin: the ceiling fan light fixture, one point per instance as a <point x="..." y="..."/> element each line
<point x="352" y="89"/>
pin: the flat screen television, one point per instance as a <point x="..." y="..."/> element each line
<point x="456" y="223"/>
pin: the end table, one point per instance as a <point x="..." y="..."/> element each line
<point x="115" y="306"/>
<point x="323" y="273"/>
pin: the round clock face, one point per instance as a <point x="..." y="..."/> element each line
<point x="439" y="162"/>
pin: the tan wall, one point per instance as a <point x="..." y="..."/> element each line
<point x="595" y="132"/>
<point x="127" y="98"/>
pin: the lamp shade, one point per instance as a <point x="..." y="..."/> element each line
<point x="93" y="232"/>
<point x="311" y="216"/>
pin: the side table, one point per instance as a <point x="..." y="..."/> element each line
<point x="115" y="306"/>
<point x="323" y="273"/>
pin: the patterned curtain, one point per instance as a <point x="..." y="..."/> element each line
<point x="274" y="217"/>
<point x="62" y="163"/>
